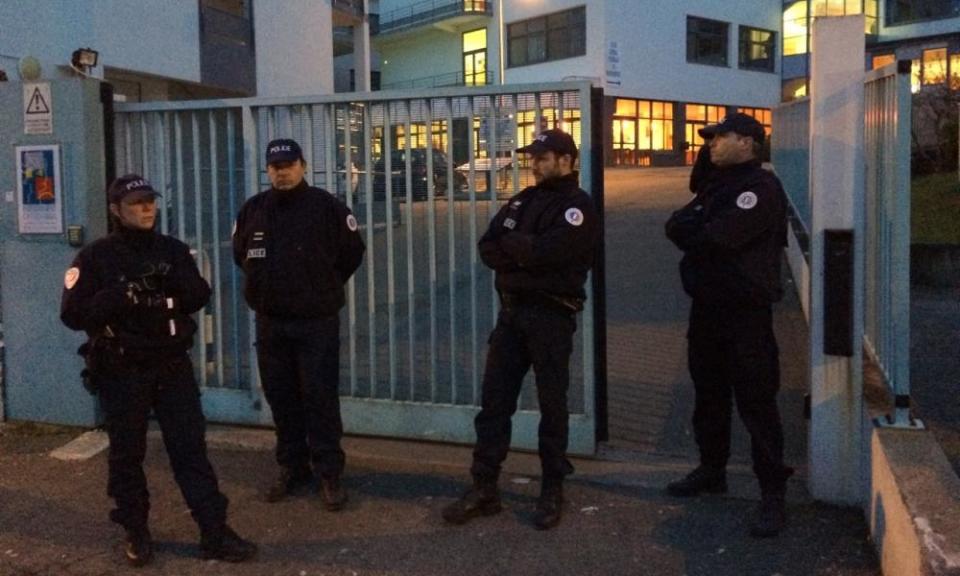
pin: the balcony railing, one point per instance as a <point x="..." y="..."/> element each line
<point x="429" y="11"/>
<point x="440" y="80"/>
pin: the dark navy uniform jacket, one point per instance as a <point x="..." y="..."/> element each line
<point x="733" y="233"/>
<point x="297" y="249"/>
<point x="543" y="240"/>
<point x="141" y="285"/>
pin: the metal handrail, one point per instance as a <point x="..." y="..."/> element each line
<point x="438" y="80"/>
<point x="429" y="11"/>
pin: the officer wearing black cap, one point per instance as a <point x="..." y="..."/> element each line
<point x="298" y="246"/>
<point x="132" y="292"/>
<point x="541" y="245"/>
<point x="732" y="235"/>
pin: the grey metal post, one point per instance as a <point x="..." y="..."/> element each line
<point x="837" y="198"/>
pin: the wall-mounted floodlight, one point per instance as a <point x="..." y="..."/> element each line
<point x="84" y="58"/>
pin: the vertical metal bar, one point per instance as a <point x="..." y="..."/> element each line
<point x="371" y="248"/>
<point x="472" y="192"/>
<point x="198" y="224"/>
<point x="330" y="146"/>
<point x="452" y="251"/>
<point x="492" y="150"/>
<point x="901" y="245"/>
<point x="234" y="275"/>
<point x="248" y="126"/>
<point x="127" y="146"/>
<point x="391" y="264"/>
<point x="514" y="158"/>
<point x="586" y="179"/>
<point x="432" y="250"/>
<point x="411" y="257"/>
<point x="306" y="142"/>
<point x="215" y="246"/>
<point x="178" y="145"/>
<point x="163" y="154"/>
<point x="351" y="284"/>
<point x="145" y="170"/>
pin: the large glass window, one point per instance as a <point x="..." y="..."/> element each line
<point x="418" y="135"/>
<point x="707" y="41"/>
<point x="698" y="116"/>
<point x="795" y="29"/>
<point x="798" y="15"/>
<point x="934" y="66"/>
<point x="762" y="115"/>
<point x="757" y="49"/>
<point x="475" y="57"/>
<point x="793" y="89"/>
<point x="903" y="11"/>
<point x="639" y="128"/>
<point x="955" y="71"/>
<point x="552" y="37"/>
<point x="881" y="60"/>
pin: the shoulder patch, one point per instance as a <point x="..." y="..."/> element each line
<point x="746" y="200"/>
<point x="574" y="216"/>
<point x="352" y="223"/>
<point x="71" y="277"/>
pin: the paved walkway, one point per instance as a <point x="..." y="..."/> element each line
<point x="53" y="513"/>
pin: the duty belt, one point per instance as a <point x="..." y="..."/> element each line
<point x="565" y="304"/>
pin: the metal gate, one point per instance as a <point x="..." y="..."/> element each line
<point x="424" y="171"/>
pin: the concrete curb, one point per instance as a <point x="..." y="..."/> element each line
<point x="914" y="512"/>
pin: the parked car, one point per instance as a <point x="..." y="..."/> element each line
<point x="418" y="173"/>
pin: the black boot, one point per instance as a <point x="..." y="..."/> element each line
<point x="702" y="479"/>
<point x="290" y="480"/>
<point x="770" y="517"/>
<point x="549" y="506"/>
<point x="139" y="546"/>
<point x="483" y="499"/>
<point x="332" y="492"/>
<point x="224" y="544"/>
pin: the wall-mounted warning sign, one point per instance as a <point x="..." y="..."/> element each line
<point x="37" y="108"/>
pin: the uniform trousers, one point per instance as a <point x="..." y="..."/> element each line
<point x="299" y="363"/>
<point x="129" y="390"/>
<point x="733" y="355"/>
<point x="525" y="336"/>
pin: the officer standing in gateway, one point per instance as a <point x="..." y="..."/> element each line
<point x="732" y="235"/>
<point x="298" y="246"/>
<point x="133" y="293"/>
<point x="541" y="246"/>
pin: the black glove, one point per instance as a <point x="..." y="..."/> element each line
<point x="114" y="300"/>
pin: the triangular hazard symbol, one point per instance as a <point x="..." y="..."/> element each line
<point x="37" y="104"/>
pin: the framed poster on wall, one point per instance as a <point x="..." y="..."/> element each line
<point x="39" y="190"/>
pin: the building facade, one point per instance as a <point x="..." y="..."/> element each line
<point x="188" y="49"/>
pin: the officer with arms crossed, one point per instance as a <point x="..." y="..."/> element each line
<point x="732" y="235"/>
<point x="298" y="246"/>
<point x="133" y="293"/>
<point x="541" y="245"/>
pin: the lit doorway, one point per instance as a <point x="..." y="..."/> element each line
<point x="475" y="57"/>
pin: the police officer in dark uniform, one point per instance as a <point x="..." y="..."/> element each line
<point x="732" y="235"/>
<point x="133" y="292"/>
<point x="298" y="246"/>
<point x="541" y="245"/>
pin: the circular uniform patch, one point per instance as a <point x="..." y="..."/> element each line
<point x="747" y="200"/>
<point x="352" y="223"/>
<point x="71" y="277"/>
<point x="574" y="216"/>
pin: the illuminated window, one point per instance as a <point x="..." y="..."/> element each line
<point x="934" y="66"/>
<point x="915" y="76"/>
<point x="757" y="48"/>
<point x="762" y="115"/>
<point x="882" y="60"/>
<point x="475" y="57"/>
<point x="707" y="41"/>
<point x="795" y="29"/>
<point x="552" y="37"/>
<point x="870" y="11"/>
<point x="793" y="89"/>
<point x="955" y="71"/>
<point x="639" y="128"/>
<point x="418" y="135"/>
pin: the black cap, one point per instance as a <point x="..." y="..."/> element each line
<point x="283" y="150"/>
<point x="742" y="124"/>
<point x="129" y="184"/>
<point x="556" y="141"/>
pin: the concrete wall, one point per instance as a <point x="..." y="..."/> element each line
<point x="429" y="53"/>
<point x="294" y="48"/>
<point x="160" y="38"/>
<point x="41" y="370"/>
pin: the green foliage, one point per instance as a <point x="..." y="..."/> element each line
<point x="935" y="209"/>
